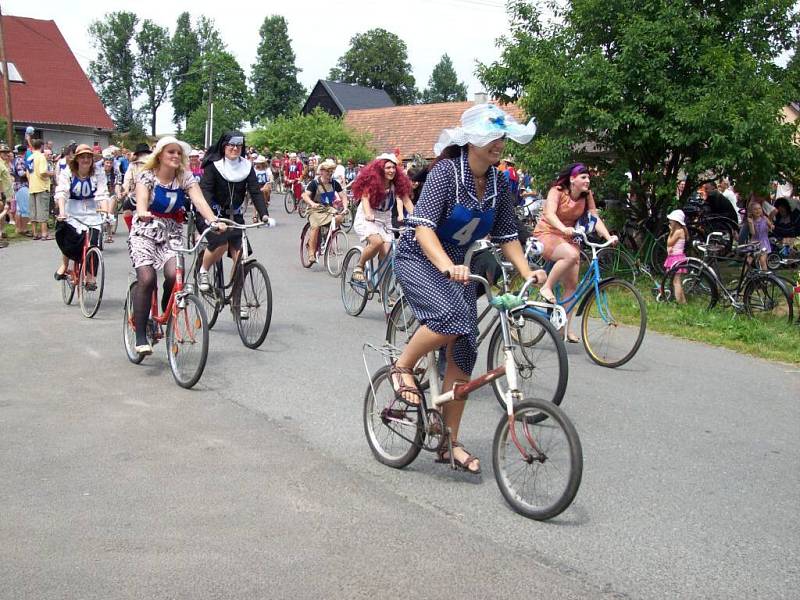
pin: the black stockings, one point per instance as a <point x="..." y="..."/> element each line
<point x="143" y="296"/>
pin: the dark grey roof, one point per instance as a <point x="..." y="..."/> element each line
<point x="353" y="97"/>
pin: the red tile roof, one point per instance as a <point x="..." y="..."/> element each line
<point x="56" y="90"/>
<point x="413" y="129"/>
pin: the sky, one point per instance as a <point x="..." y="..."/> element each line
<point x="320" y="31"/>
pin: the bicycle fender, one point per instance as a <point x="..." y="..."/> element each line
<point x="589" y="294"/>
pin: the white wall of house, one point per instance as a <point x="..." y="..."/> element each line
<point x="64" y="134"/>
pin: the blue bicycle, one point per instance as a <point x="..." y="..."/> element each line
<point x="378" y="279"/>
<point x="613" y="313"/>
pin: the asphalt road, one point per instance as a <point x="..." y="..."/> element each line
<point x="258" y="483"/>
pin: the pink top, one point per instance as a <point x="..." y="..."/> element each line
<point x="678" y="247"/>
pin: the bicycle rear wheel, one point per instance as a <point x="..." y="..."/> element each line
<point x="614" y="322"/>
<point x="540" y="356"/>
<point x="254" y="301"/>
<point x="187" y="341"/>
<point x="394" y="431"/>
<point x="698" y="286"/>
<point x="90" y="295"/>
<point x="67" y="287"/>
<point x="768" y="299"/>
<point x="334" y="252"/>
<point x="129" y="328"/>
<point x="545" y="483"/>
<point x="354" y="293"/>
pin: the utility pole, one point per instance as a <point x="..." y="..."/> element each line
<point x="6" y="86"/>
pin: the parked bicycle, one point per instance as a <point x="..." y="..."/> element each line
<point x="536" y="451"/>
<point x="185" y="319"/>
<point x="247" y="291"/>
<point x="332" y="245"/>
<point x="86" y="276"/>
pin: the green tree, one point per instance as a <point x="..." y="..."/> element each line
<point x="378" y="59"/>
<point x="185" y="50"/>
<point x="153" y="67"/>
<point x="657" y="88"/>
<point x="276" y="90"/>
<point x="443" y="86"/>
<point x="113" y="70"/>
<point x="227" y="85"/>
<point x="316" y="132"/>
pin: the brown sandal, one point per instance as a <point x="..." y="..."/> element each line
<point x="460" y="465"/>
<point x="402" y="388"/>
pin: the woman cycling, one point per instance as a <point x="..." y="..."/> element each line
<point x="320" y="195"/>
<point x="378" y="186"/>
<point x="568" y="201"/>
<point x="464" y="199"/>
<point x="161" y="190"/>
<point x="226" y="178"/>
<point x="81" y="191"/>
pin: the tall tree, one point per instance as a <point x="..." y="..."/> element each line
<point x="185" y="50"/>
<point x="153" y="67"/>
<point x="113" y="70"/>
<point x="443" y="86"/>
<point x="276" y="90"/>
<point x="657" y="88"/>
<point x="378" y="59"/>
<point x="224" y="79"/>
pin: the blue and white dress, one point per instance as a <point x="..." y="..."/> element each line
<point x="449" y="205"/>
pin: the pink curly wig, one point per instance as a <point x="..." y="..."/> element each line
<point x="370" y="182"/>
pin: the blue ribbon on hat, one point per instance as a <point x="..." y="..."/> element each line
<point x="499" y="121"/>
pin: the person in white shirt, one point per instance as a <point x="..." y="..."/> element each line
<point x="727" y="191"/>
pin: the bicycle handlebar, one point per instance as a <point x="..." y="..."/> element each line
<point x="580" y="232"/>
<point x="235" y="225"/>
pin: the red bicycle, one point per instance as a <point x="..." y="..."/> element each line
<point x="186" y="322"/>
<point x="87" y="276"/>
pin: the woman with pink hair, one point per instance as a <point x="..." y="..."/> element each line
<point x="379" y="186"/>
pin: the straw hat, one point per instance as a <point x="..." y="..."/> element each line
<point x="4" y="148"/>
<point x="484" y="123"/>
<point x="388" y="156"/>
<point x="326" y="165"/>
<point x="82" y="149"/>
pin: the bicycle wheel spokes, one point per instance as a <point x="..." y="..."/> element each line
<point x="768" y="299"/>
<point x="401" y="323"/>
<point x="542" y="483"/>
<point x="390" y="291"/>
<point x="305" y="255"/>
<point x="334" y="253"/>
<point x="129" y="328"/>
<point x="92" y="279"/>
<point x="67" y="287"/>
<point x="394" y="431"/>
<point x="354" y="293"/>
<point x="614" y="322"/>
<point x="212" y="301"/>
<point x="187" y="342"/>
<point x="253" y="310"/>
<point x="691" y="285"/>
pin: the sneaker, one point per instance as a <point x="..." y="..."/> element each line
<point x="144" y="350"/>
<point x="244" y="314"/>
<point x="202" y="281"/>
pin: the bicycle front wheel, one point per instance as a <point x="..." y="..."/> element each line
<point x="334" y="253"/>
<point x="129" y="328"/>
<point x="540" y="356"/>
<point x="91" y="292"/>
<point x="768" y="299"/>
<point x="394" y="431"/>
<point x="354" y="293"/>
<point x="541" y="483"/>
<point x="253" y="309"/>
<point x="348" y="220"/>
<point x="302" y="208"/>
<point x="212" y="297"/>
<point x="614" y="322"/>
<point x="67" y="288"/>
<point x="187" y="341"/>
<point x="390" y="291"/>
<point x="288" y="201"/>
<point x="305" y="254"/>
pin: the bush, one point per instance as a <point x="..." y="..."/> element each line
<point x="317" y="132"/>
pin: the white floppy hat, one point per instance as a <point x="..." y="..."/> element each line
<point x="260" y="159"/>
<point x="484" y="123"/>
<point x="167" y="140"/>
<point x="678" y="216"/>
<point x="388" y="156"/>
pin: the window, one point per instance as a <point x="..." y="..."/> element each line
<point x="13" y="73"/>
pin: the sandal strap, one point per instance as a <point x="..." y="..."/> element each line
<point x="401" y="370"/>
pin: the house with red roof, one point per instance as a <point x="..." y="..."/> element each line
<point x="49" y="90"/>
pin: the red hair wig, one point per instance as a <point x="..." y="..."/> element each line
<point x="371" y="183"/>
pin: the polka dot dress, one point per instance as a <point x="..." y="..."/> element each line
<point x="442" y="305"/>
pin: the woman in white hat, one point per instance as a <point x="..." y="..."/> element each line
<point x="162" y="189"/>
<point x="81" y="191"/>
<point x="380" y="188"/>
<point x="464" y="199"/>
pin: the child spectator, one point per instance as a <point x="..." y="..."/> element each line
<point x="759" y="227"/>
<point x="676" y="246"/>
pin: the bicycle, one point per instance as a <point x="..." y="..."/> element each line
<point x="332" y="244"/>
<point x="539" y="352"/>
<point x="90" y="293"/>
<point x="611" y="310"/>
<point x="248" y="291"/>
<point x="644" y="254"/>
<point x="536" y="451"/>
<point x="292" y="195"/>
<point x="185" y="318"/>
<point x="378" y="279"/>
<point x="759" y="294"/>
